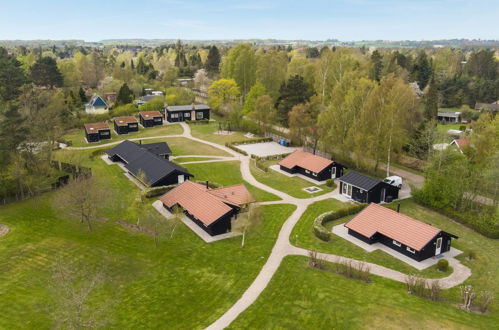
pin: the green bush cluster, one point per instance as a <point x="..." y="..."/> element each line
<point x="443" y="265"/>
<point x="259" y="163"/>
<point x="330" y="183"/>
<point x="321" y="232"/>
<point x="236" y="149"/>
<point x="198" y="122"/>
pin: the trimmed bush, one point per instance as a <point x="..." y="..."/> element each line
<point x="259" y="164"/>
<point x="470" y="254"/>
<point x="321" y="232"/>
<point x="236" y="149"/>
<point x="330" y="183"/>
<point x="96" y="153"/>
<point x="157" y="191"/>
<point x="443" y="265"/>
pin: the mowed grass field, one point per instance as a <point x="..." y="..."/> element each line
<point x="183" y="283"/>
<point x="226" y="173"/>
<point x="485" y="270"/>
<point x="290" y="185"/>
<point x="207" y="131"/>
<point x="77" y="136"/>
<point x="300" y="297"/>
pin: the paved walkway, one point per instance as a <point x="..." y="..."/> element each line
<point x="283" y="247"/>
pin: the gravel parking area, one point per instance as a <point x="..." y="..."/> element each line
<point x="265" y="149"/>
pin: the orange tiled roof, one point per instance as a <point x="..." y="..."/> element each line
<point x="207" y="205"/>
<point x="306" y="160"/>
<point x="95" y="127"/>
<point x="462" y="142"/>
<point x="402" y="228"/>
<point x="121" y="121"/>
<point x="150" y="114"/>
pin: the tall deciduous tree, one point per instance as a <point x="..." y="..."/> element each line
<point x="264" y="112"/>
<point x="223" y="92"/>
<point x="271" y="71"/>
<point x="255" y="92"/>
<point x="240" y="65"/>
<point x="46" y="73"/>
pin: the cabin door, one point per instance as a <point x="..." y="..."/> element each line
<point x="333" y="172"/>
<point x="438" y="246"/>
<point x="383" y="194"/>
<point x="181" y="179"/>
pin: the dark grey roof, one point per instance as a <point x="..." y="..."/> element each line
<point x="153" y="167"/>
<point x="145" y="158"/>
<point x="173" y="108"/>
<point x="359" y="180"/>
<point x="147" y="98"/>
<point x="489" y="106"/>
<point x="447" y="113"/>
<point x="158" y="148"/>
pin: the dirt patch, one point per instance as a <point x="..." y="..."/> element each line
<point x="3" y="230"/>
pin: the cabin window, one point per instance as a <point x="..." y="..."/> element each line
<point x="307" y="171"/>
<point x="314" y="174"/>
<point x="157" y="119"/>
<point x="104" y="133"/>
<point x="396" y="243"/>
<point x="199" y="115"/>
<point x="133" y="125"/>
<point x="347" y="189"/>
<point x="411" y="250"/>
<point x="174" y="115"/>
<point x="187" y="114"/>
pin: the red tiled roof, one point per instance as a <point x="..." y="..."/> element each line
<point x="95" y="127"/>
<point x="305" y="160"/>
<point x="462" y="142"/>
<point x="207" y="205"/>
<point x="122" y="121"/>
<point x="150" y="114"/>
<point x="402" y="228"/>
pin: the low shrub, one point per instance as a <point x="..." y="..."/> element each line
<point x="470" y="254"/>
<point x="198" y="122"/>
<point x="156" y="191"/>
<point x="261" y="165"/>
<point x="443" y="265"/>
<point x="96" y="153"/>
<point x="236" y="149"/>
<point x="321" y="232"/>
<point x="354" y="270"/>
<point x="257" y="140"/>
<point x="330" y="183"/>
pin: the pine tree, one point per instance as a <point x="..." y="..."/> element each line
<point x="293" y="92"/>
<point x="431" y="104"/>
<point x="11" y="76"/>
<point x="83" y="96"/>
<point x="377" y="65"/>
<point x="422" y="70"/>
<point x="125" y="95"/>
<point x="213" y="61"/>
<point x="45" y="73"/>
<point x="142" y="68"/>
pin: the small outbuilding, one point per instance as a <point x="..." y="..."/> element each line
<point x="310" y="165"/>
<point x="211" y="209"/>
<point x="150" y="118"/>
<point x="460" y="144"/>
<point x="146" y="162"/>
<point x="97" y="131"/>
<point x="399" y="232"/>
<point x="446" y="116"/>
<point x="364" y="189"/>
<point x="178" y="113"/>
<point x="126" y="124"/>
<point x="487" y="106"/>
<point x="97" y="105"/>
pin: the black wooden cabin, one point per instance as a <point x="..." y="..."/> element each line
<point x="179" y="113"/>
<point x="126" y="124"/>
<point x="150" y="118"/>
<point x="97" y="131"/>
<point x="310" y="165"/>
<point x="364" y="189"/>
<point x="408" y="236"/>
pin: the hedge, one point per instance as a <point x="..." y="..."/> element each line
<point x="258" y="140"/>
<point x="236" y="149"/>
<point x="157" y="191"/>
<point x="196" y="122"/>
<point x="321" y="232"/>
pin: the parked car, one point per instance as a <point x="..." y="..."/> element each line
<point x="394" y="181"/>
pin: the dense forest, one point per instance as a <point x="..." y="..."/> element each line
<point x="365" y="106"/>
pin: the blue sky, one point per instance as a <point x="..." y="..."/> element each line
<point x="94" y="20"/>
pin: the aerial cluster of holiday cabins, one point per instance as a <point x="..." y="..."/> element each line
<point x="95" y="132"/>
<point x="214" y="209"/>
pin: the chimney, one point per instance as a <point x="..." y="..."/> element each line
<point x="193" y="107"/>
<point x="398" y="208"/>
<point x="207" y="184"/>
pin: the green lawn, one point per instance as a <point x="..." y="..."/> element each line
<point x="299" y="297"/>
<point x="184" y="146"/>
<point x="303" y="236"/>
<point x="207" y="132"/>
<point x="165" y="287"/>
<point x="226" y="173"/>
<point x="77" y="136"/>
<point x="290" y="185"/>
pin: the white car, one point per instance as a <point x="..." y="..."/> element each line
<point x="394" y="181"/>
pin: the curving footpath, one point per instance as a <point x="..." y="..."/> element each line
<point x="282" y="246"/>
